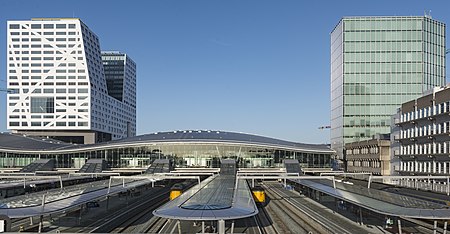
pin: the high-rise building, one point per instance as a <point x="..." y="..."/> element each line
<point x="58" y="87"/>
<point x="120" y="74"/>
<point x="377" y="63"/>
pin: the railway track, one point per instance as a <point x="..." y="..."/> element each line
<point x="321" y="223"/>
<point x="264" y="222"/>
<point x="286" y="217"/>
<point x="127" y="221"/>
<point x="154" y="225"/>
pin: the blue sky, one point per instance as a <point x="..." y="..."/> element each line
<point x="249" y="66"/>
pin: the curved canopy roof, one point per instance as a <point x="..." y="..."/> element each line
<point x="384" y="202"/>
<point x="10" y="141"/>
<point x="215" y="198"/>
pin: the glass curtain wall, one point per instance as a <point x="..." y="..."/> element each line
<point x="183" y="155"/>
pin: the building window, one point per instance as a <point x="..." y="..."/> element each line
<point x="42" y="105"/>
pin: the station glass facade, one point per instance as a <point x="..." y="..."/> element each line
<point x="183" y="154"/>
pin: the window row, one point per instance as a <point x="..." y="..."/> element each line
<point x="34" y="116"/>
<point x="47" y="77"/>
<point x="46" y="124"/>
<point x="426" y="130"/>
<point x="363" y="150"/>
<point x="424" y="149"/>
<point x="426" y="112"/>
<point x="426" y="167"/>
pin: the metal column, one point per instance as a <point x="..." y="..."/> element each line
<point x="40" y="224"/>
<point x="435" y="227"/>
<point x="221" y="226"/>
<point x="399" y="226"/>
<point x="360" y="216"/>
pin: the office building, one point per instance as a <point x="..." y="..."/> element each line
<point x="120" y="74"/>
<point x="377" y="63"/>
<point x="370" y="156"/>
<point x="58" y="87"/>
<point x="423" y="134"/>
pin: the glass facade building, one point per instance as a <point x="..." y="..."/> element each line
<point x="378" y="63"/>
<point x="185" y="148"/>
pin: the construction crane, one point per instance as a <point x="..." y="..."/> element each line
<point x="324" y="127"/>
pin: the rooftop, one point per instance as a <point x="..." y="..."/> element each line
<point x="9" y="141"/>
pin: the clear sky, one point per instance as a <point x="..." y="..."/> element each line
<point x="254" y="66"/>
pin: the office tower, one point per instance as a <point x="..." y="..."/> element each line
<point x="377" y="63"/>
<point x="57" y="84"/>
<point x="120" y="74"/>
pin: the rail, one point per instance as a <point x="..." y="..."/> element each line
<point x="415" y="178"/>
<point x="152" y="178"/>
<point x="286" y="177"/>
<point x="25" y="177"/>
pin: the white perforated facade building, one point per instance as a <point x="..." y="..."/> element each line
<point x="57" y="85"/>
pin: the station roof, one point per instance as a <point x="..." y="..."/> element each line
<point x="18" y="142"/>
<point x="383" y="202"/>
<point x="21" y="142"/>
<point x="216" y="198"/>
<point x="31" y="205"/>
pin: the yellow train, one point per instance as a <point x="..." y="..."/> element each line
<point x="176" y="190"/>
<point x="259" y="195"/>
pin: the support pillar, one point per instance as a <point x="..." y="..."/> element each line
<point x="41" y="218"/>
<point x="445" y="227"/>
<point x="31" y="220"/>
<point x="61" y="183"/>
<point x="179" y="226"/>
<point x="435" y="227"/>
<point x="81" y="211"/>
<point x="360" y="216"/>
<point x="399" y="226"/>
<point x="232" y="227"/>
<point x="448" y="185"/>
<point x="253" y="183"/>
<point x="221" y="226"/>
<point x="203" y="226"/>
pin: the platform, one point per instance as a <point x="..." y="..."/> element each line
<point x="382" y="202"/>
<point x="32" y="205"/>
<point x="219" y="197"/>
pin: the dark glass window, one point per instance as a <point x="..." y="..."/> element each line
<point x="42" y="105"/>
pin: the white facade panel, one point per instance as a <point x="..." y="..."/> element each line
<point x="56" y="79"/>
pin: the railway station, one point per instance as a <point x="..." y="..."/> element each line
<point x="201" y="182"/>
